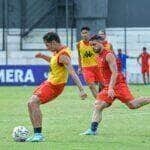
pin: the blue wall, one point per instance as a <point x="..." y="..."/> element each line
<point x="27" y="75"/>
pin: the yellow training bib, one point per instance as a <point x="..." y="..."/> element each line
<point x="59" y="73"/>
<point x="88" y="56"/>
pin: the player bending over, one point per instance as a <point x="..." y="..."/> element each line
<point x="114" y="86"/>
<point x="60" y="64"/>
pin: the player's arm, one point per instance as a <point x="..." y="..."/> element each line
<point x="45" y="57"/>
<point x="79" y="60"/>
<point x="110" y="58"/>
<point x="63" y="59"/>
<point x="138" y="59"/>
<point x="131" y="57"/>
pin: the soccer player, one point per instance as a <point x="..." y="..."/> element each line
<point x="87" y="61"/>
<point x="60" y="64"/>
<point x="145" y="56"/>
<point x="114" y="86"/>
<point x="106" y="44"/>
<point x="123" y="58"/>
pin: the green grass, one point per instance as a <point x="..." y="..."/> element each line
<point x="67" y="116"/>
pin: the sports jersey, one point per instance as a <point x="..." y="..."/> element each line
<point x="59" y="73"/>
<point x="121" y="90"/>
<point x="123" y="58"/>
<point x="145" y="57"/>
<point x="87" y="54"/>
<point x="107" y="45"/>
<point x="105" y="70"/>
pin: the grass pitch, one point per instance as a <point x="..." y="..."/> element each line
<point x="67" y="116"/>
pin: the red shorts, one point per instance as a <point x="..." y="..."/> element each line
<point x="145" y="69"/>
<point x="47" y="91"/>
<point x="91" y="74"/>
<point x="122" y="93"/>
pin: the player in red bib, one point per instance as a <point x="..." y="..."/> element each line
<point x="145" y="57"/>
<point x="114" y="83"/>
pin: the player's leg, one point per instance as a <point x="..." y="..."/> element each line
<point x="148" y="80"/>
<point x="125" y="96"/>
<point x="90" y="76"/>
<point x="93" y="89"/>
<point x="36" y="119"/>
<point x="96" y="117"/>
<point x="97" y="113"/>
<point x="137" y="103"/>
<point x="144" y="77"/>
<point x="35" y="112"/>
<point x="102" y="102"/>
<point x="43" y="94"/>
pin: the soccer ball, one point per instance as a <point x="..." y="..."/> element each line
<point x="20" y="134"/>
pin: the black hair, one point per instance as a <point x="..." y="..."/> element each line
<point x="144" y="48"/>
<point x="51" y="36"/>
<point x="95" y="37"/>
<point x="85" y="28"/>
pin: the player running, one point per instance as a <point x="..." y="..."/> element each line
<point x="87" y="61"/>
<point x="60" y="64"/>
<point x="145" y="56"/>
<point x="114" y="86"/>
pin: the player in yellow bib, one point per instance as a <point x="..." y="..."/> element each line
<point x="59" y="73"/>
<point x="60" y="64"/>
<point x="87" y="61"/>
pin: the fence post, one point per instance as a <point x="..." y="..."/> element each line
<point x="67" y="15"/>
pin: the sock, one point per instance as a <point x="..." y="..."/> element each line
<point x="94" y="126"/>
<point x="38" y="130"/>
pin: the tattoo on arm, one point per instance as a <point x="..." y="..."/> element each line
<point x="67" y="62"/>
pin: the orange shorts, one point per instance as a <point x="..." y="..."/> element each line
<point x="47" y="91"/>
<point x="91" y="74"/>
<point x="122" y="93"/>
<point x="145" y="69"/>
